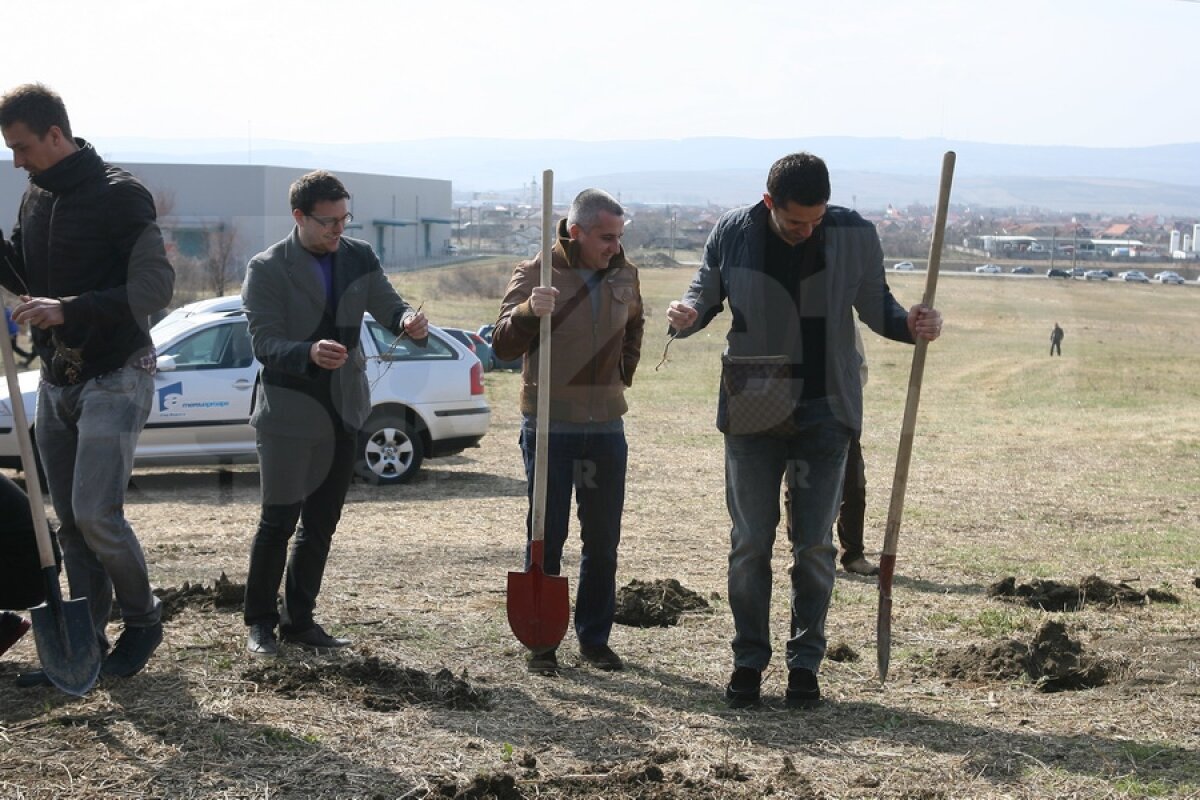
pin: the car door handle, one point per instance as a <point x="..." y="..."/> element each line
<point x="242" y="383"/>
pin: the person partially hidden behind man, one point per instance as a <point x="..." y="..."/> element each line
<point x="21" y="583"/>
<point x="305" y="298"/>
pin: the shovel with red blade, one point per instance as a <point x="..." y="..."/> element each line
<point x="539" y="606"/>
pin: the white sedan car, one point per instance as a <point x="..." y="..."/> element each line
<point x="426" y="402"/>
<point x="1167" y="276"/>
<point x="904" y="266"/>
<point x="988" y="269"/>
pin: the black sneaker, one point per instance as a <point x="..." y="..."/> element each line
<point x="543" y="663"/>
<point x="744" y="687"/>
<point x="803" y="691"/>
<point x="601" y="656"/>
<point x="315" y="638"/>
<point x="133" y="650"/>
<point x="261" y="641"/>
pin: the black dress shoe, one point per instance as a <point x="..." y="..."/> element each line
<point x="315" y="638"/>
<point x="803" y="691"/>
<point x="744" y="688"/>
<point x="33" y="678"/>
<point x="261" y="640"/>
<point x="601" y="656"/>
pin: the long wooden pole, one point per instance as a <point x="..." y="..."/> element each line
<point x="887" y="562"/>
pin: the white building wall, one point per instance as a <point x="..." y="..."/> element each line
<point x="254" y="199"/>
<point x="1174" y="241"/>
<point x="1196" y="238"/>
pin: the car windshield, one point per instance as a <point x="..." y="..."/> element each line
<point x="403" y="348"/>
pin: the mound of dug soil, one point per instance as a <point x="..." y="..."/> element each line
<point x="654" y="604"/>
<point x="842" y="652"/>
<point x="223" y="594"/>
<point x="1055" y="596"/>
<point x="369" y="682"/>
<point x="1053" y="660"/>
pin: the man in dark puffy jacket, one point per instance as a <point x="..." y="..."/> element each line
<point x="595" y="303"/>
<point x="88" y="261"/>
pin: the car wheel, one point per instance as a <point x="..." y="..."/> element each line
<point x="390" y="450"/>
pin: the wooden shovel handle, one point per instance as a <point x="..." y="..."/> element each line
<point x="904" y="455"/>
<point x="542" y="438"/>
<point x="33" y="485"/>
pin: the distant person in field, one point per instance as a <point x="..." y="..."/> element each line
<point x="596" y="305"/>
<point x="88" y="260"/>
<point x="794" y="270"/>
<point x="305" y="297"/>
<point x="1056" y="337"/>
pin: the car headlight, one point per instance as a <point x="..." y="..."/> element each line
<point x="5" y="409"/>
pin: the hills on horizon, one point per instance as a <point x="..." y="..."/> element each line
<point x="867" y="173"/>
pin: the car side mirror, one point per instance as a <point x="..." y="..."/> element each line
<point x="165" y="363"/>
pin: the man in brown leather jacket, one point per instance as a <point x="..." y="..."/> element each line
<point x="596" y="303"/>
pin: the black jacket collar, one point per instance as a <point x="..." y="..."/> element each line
<point x="82" y="165"/>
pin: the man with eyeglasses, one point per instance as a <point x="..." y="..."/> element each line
<point x="88" y="261"/>
<point x="304" y="298"/>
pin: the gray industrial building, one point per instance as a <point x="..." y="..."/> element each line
<point x="406" y="220"/>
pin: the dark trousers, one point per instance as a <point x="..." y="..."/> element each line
<point x="854" y="504"/>
<point x="21" y="581"/>
<point x="303" y="481"/>
<point x="593" y="465"/>
<point x="853" y="510"/>
<point x="1055" y="348"/>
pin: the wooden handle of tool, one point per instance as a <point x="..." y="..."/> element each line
<point x="542" y="440"/>
<point x="900" y="480"/>
<point x="33" y="486"/>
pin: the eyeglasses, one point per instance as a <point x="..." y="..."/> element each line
<point x="329" y="222"/>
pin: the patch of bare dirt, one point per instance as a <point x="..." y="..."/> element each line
<point x="659" y="603"/>
<point x="1050" y="595"/>
<point x="842" y="653"/>
<point x="224" y="594"/>
<point x="1053" y="660"/>
<point x="369" y="682"/>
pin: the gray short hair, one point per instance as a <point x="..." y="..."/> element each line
<point x="586" y="208"/>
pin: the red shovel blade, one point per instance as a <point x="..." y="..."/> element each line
<point x="539" y="607"/>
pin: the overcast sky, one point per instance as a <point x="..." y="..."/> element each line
<point x="1060" y="72"/>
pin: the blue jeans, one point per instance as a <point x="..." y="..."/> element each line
<point x="590" y="460"/>
<point x="813" y="463"/>
<point x="86" y="434"/>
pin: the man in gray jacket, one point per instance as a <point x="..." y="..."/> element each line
<point x="304" y="300"/>
<point x="794" y="270"/>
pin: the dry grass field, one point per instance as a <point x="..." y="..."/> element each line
<point x="1024" y="466"/>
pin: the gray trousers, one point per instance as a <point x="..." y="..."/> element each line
<point x="86" y="435"/>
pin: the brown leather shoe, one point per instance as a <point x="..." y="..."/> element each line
<point x="860" y="566"/>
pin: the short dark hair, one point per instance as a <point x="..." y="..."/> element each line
<point x="315" y="187"/>
<point x="586" y="208"/>
<point x="36" y="105"/>
<point x="799" y="178"/>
